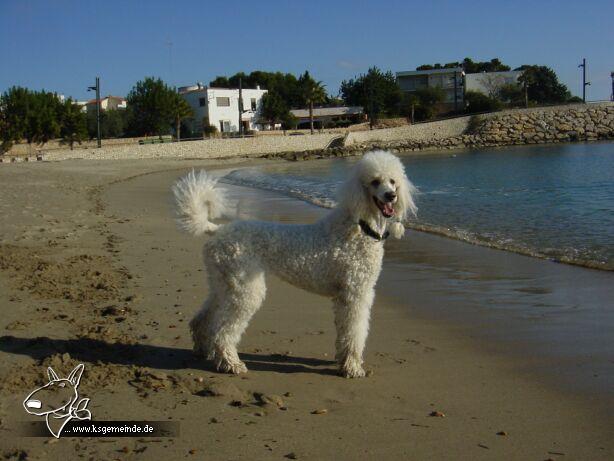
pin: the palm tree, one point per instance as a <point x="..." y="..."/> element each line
<point x="312" y="92"/>
<point x="180" y="110"/>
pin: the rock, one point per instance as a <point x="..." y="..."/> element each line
<point x="269" y="399"/>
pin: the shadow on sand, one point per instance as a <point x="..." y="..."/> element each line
<point x="160" y="357"/>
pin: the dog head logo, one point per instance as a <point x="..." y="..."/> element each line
<point x="58" y="400"/>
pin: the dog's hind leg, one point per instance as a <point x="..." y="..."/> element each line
<point x="243" y="297"/>
<point x="352" y="312"/>
<point x="200" y="324"/>
<point x="199" y="327"/>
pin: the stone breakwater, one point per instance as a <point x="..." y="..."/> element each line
<point x="576" y="122"/>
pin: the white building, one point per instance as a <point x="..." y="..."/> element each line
<point x="107" y="103"/>
<point x="219" y="107"/>
<point x="489" y="83"/>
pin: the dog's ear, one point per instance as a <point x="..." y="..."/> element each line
<point x="75" y="376"/>
<point x="405" y="202"/>
<point x="353" y="195"/>
<point x="53" y="376"/>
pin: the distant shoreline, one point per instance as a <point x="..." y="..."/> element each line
<point x="556" y="124"/>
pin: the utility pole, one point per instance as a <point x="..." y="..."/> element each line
<point x="612" y="95"/>
<point x="170" y="60"/>
<point x="240" y="107"/>
<point x="371" y="106"/>
<point x="455" y="93"/>
<point x="584" y="82"/>
<point x="96" y="88"/>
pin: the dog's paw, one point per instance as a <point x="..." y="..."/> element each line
<point x="234" y="367"/>
<point x="352" y="369"/>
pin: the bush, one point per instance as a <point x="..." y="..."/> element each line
<point x="512" y="94"/>
<point x="474" y="123"/>
<point x="478" y="102"/>
<point x="289" y="121"/>
<point x="426" y="102"/>
<point x="209" y="131"/>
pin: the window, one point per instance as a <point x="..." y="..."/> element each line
<point x="254" y="104"/>
<point x="222" y="102"/>
<point x="202" y="102"/>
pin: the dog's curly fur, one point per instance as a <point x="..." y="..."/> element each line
<point x="334" y="257"/>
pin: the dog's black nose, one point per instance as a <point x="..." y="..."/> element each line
<point x="390" y="196"/>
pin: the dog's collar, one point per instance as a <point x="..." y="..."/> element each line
<point x="371" y="233"/>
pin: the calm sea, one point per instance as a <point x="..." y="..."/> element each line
<point x="554" y="202"/>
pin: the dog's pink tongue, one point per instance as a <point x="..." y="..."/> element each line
<point x="389" y="209"/>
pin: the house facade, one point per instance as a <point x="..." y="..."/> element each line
<point x="219" y="107"/>
<point x="450" y="80"/>
<point x="323" y="116"/>
<point x="107" y="103"/>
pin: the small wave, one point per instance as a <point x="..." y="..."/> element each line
<point x="507" y="244"/>
<point x="314" y="192"/>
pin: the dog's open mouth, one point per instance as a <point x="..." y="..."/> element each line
<point x="387" y="209"/>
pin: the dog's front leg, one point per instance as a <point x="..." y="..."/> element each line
<point x="352" y="312"/>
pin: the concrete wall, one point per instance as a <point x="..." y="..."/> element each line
<point x="420" y="132"/>
<point x="210" y="148"/>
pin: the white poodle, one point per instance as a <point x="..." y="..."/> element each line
<point x="340" y="256"/>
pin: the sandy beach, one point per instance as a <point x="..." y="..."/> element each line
<point x="93" y="270"/>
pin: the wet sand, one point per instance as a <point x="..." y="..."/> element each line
<point x="93" y="270"/>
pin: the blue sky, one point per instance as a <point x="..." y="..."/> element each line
<point x="61" y="45"/>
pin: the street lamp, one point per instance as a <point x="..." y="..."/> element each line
<point x="584" y="82"/>
<point x="96" y="88"/>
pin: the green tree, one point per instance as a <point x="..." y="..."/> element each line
<point x="284" y="85"/>
<point x="312" y="93"/>
<point x="479" y="102"/>
<point x="512" y="94"/>
<point x="376" y="91"/>
<point x="180" y="110"/>
<point x="43" y="117"/>
<point x="14" y="106"/>
<point x="113" y="123"/>
<point x="151" y="106"/>
<point x="74" y="124"/>
<point x="289" y="121"/>
<point x="428" y="100"/>
<point x="274" y="109"/>
<point x="543" y="86"/>
<point x="470" y="66"/>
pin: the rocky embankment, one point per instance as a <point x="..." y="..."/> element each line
<point x="514" y="127"/>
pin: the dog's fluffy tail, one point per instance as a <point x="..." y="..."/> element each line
<point x="198" y="201"/>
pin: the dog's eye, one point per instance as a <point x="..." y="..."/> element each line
<point x="393" y="182"/>
<point x="375" y="182"/>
